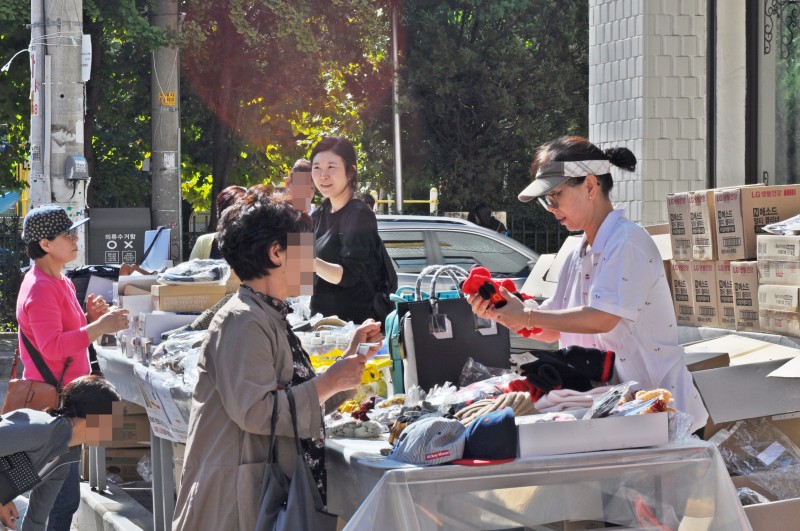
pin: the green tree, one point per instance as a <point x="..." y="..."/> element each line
<point x="15" y="109"/>
<point x="484" y="82"/>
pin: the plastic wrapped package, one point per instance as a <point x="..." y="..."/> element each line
<point x="496" y="385"/>
<point x="778" y="483"/>
<point x="191" y="374"/>
<point x="169" y="354"/>
<point x="748" y="496"/>
<point x="145" y="468"/>
<point x="671" y="487"/>
<point x="755" y="445"/>
<point x="475" y="371"/>
<point x="197" y="272"/>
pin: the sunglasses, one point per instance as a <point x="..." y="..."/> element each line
<point x="549" y="200"/>
<point x="71" y="233"/>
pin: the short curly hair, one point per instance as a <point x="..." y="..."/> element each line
<point x="253" y="225"/>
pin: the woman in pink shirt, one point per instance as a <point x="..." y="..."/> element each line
<point x="51" y="319"/>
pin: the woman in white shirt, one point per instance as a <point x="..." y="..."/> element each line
<point x="612" y="294"/>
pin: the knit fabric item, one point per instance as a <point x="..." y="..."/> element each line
<point x="519" y="402"/>
<point x="576" y="367"/>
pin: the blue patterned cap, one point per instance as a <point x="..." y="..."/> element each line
<point x="432" y="440"/>
<point x="47" y="221"/>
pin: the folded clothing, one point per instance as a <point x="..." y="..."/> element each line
<point x="568" y="399"/>
<point x="573" y="367"/>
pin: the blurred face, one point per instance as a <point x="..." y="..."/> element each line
<point x="99" y="428"/>
<point x="299" y="264"/>
<point x="301" y="186"/>
<point x="63" y="248"/>
<point x="329" y="172"/>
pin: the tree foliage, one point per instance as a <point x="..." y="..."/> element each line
<point x="483" y="83"/>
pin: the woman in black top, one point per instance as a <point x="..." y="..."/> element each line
<point x="348" y="254"/>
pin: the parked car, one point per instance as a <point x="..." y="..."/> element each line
<point x="415" y="242"/>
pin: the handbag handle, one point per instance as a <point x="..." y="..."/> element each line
<point x="453" y="271"/>
<point x="434" y="269"/>
<point x="273" y="425"/>
<point x="293" y="410"/>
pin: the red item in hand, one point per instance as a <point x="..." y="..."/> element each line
<point x="479" y="282"/>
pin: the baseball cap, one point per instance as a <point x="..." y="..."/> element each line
<point x="553" y="174"/>
<point x="47" y="221"/>
<point x="491" y="439"/>
<point x="432" y="440"/>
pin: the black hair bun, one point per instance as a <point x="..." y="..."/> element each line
<point x="621" y="157"/>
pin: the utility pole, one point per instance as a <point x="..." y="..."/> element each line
<point x="165" y="159"/>
<point x="398" y="156"/>
<point x="58" y="173"/>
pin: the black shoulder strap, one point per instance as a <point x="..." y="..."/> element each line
<point x="41" y="365"/>
<point x="150" y="247"/>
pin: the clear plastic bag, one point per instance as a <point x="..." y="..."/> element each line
<point x="169" y="354"/>
<point x="197" y="272"/>
<point x="755" y="445"/>
<point x="748" y="496"/>
<point x="475" y="371"/>
<point x="606" y="403"/>
<point x="145" y="468"/>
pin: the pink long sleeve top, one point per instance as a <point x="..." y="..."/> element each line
<point x="49" y="315"/>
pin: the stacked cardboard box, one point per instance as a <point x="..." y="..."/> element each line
<point x="715" y="279"/>
<point x="779" y="289"/>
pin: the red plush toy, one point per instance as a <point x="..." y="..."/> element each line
<point x="479" y="282"/>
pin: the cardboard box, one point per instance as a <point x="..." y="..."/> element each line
<point x="704" y="293"/>
<point x="152" y="325"/>
<point x="776" y="247"/>
<point x="186" y="298"/>
<point x="123" y="461"/>
<point x="679" y="225"/>
<point x="703" y="361"/>
<point x="704" y="231"/>
<point x="744" y="276"/>
<point x="662" y="239"/>
<point x="742" y="211"/>
<point x="772" y="516"/>
<point x="610" y="433"/>
<point x="135" y="431"/>
<point x="725" y="301"/>
<point x="778" y="322"/>
<point x="744" y="392"/>
<point x="682" y="292"/>
<point x="777" y="297"/>
<point x="743" y="350"/>
<point x="778" y="308"/>
<point x="779" y="272"/>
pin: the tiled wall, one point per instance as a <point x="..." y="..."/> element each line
<point x="647" y="88"/>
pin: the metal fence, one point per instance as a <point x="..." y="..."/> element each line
<point x="543" y="235"/>
<point x="13" y="257"/>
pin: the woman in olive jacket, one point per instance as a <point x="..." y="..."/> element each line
<point x="250" y="357"/>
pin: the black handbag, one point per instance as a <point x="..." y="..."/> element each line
<point x="439" y="335"/>
<point x="17" y="476"/>
<point x="296" y="503"/>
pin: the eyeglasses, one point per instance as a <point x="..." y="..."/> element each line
<point x="549" y="200"/>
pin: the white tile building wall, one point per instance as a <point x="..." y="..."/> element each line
<point x="647" y="89"/>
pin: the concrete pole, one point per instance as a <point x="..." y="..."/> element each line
<point x="64" y="110"/>
<point x="165" y="160"/>
<point x="398" y="156"/>
<point x="39" y="180"/>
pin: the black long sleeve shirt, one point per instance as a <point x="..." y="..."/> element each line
<point x="348" y="237"/>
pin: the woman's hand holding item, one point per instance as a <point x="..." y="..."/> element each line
<point x="8" y="515"/>
<point x="110" y="322"/>
<point x="96" y="307"/>
<point x="368" y="332"/>
<point x="343" y="375"/>
<point x="513" y="315"/>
